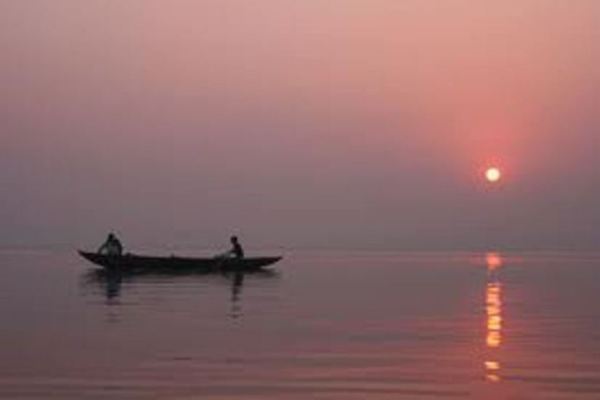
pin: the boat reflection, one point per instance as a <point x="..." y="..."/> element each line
<point x="113" y="283"/>
<point x="493" y="309"/>
<point x="237" y="282"/>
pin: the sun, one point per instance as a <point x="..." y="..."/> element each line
<point x="493" y="174"/>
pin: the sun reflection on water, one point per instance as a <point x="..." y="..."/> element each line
<point x="493" y="308"/>
<point x="493" y="301"/>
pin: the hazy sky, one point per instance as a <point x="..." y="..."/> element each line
<point x="314" y="123"/>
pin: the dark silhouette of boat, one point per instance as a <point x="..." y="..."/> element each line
<point x="133" y="262"/>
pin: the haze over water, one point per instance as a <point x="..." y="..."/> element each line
<point x="321" y="326"/>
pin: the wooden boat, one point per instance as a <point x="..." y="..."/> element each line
<point x="133" y="262"/>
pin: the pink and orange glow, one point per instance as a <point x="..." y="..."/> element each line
<point x="180" y="121"/>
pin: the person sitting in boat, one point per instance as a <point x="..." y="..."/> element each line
<point x="112" y="246"/>
<point x="236" y="251"/>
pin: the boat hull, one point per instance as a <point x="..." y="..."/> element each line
<point x="132" y="262"/>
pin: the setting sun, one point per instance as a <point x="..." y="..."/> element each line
<point x="493" y="175"/>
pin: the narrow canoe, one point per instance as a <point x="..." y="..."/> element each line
<point x="128" y="262"/>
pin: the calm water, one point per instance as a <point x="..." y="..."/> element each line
<point x="322" y="326"/>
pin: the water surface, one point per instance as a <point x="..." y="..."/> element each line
<point x="320" y="326"/>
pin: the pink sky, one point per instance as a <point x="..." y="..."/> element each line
<point x="352" y="124"/>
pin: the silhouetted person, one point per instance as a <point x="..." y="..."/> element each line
<point x="112" y="246"/>
<point x="237" y="251"/>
